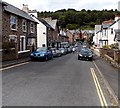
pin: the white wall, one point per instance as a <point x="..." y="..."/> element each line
<point x="111" y="36"/>
<point x="97" y="36"/>
<point x="41" y="33"/>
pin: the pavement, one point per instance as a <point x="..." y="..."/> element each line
<point x="14" y="62"/>
<point x="110" y="73"/>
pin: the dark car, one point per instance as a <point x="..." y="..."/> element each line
<point x="41" y="53"/>
<point x="85" y="54"/>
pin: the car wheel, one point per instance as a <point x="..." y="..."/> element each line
<point x="52" y="57"/>
<point x="78" y="58"/>
<point x="91" y="59"/>
<point x="59" y="55"/>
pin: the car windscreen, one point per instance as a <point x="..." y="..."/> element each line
<point x="85" y="50"/>
<point x="41" y="50"/>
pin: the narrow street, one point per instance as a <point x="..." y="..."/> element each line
<point x="63" y="81"/>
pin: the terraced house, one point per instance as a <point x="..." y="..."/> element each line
<point x="19" y="32"/>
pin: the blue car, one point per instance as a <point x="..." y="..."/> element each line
<point x="41" y="53"/>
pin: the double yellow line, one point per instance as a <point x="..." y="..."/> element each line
<point x="99" y="90"/>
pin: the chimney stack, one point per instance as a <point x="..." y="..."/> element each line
<point x="25" y="8"/>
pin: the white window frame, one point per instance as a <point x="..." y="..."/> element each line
<point x="12" y="22"/>
<point x="13" y="38"/>
<point x="24" y="43"/>
<point x="32" y="27"/>
<point x="24" y="25"/>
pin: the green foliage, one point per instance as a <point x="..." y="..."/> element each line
<point x="106" y="46"/>
<point x="112" y="46"/>
<point x="72" y="26"/>
<point x="85" y="19"/>
<point x="90" y="40"/>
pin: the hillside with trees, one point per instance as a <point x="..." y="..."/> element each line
<point x="84" y="19"/>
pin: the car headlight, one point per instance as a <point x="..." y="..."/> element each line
<point x="90" y="55"/>
<point x="42" y="54"/>
<point x="80" y="55"/>
<point x="31" y="54"/>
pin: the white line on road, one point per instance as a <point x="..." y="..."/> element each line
<point x="13" y="66"/>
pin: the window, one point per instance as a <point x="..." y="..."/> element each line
<point x="32" y="27"/>
<point x="31" y="41"/>
<point x="105" y="32"/>
<point x="24" y="25"/>
<point x="111" y="30"/>
<point x="13" y="23"/>
<point x="13" y="38"/>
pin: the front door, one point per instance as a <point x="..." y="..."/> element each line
<point x="22" y="43"/>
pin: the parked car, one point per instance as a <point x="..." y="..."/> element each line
<point x="63" y="51"/>
<point x="56" y="52"/>
<point x="41" y="53"/>
<point x="70" y="49"/>
<point x="86" y="54"/>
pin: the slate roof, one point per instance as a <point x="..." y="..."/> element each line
<point x="42" y="21"/>
<point x="106" y="24"/>
<point x="45" y="23"/>
<point x="14" y="10"/>
<point x="115" y="22"/>
<point x="51" y="22"/>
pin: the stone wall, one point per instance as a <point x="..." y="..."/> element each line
<point x="115" y="54"/>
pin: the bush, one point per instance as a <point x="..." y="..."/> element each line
<point x="114" y="46"/>
<point x="106" y="46"/>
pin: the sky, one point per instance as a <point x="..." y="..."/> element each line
<point x="54" y="5"/>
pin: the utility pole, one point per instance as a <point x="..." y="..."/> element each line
<point x="118" y="32"/>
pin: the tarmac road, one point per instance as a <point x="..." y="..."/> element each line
<point x="63" y="81"/>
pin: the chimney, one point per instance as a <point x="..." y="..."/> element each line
<point x="25" y="8"/>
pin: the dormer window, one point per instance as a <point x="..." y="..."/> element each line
<point x="13" y="23"/>
<point x="24" y="25"/>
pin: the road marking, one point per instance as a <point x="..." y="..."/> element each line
<point x="99" y="90"/>
<point x="13" y="66"/>
<point x="111" y="91"/>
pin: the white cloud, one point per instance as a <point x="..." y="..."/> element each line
<point x="53" y="5"/>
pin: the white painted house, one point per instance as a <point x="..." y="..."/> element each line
<point x="106" y="35"/>
<point x="42" y="29"/>
<point x="114" y="26"/>
<point x="97" y="35"/>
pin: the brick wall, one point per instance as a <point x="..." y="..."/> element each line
<point x="6" y="31"/>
